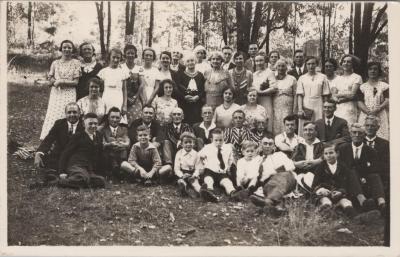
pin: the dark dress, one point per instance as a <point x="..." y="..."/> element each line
<point x="192" y="111"/>
<point x="82" y="89"/>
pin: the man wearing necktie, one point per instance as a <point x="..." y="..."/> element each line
<point x="250" y="63"/>
<point x="298" y="68"/>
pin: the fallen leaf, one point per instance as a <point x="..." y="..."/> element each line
<point x="180" y="207"/>
<point x="227" y="241"/>
<point x="152" y="227"/>
<point x="344" y="230"/>
<point x="103" y="240"/>
<point x="171" y="217"/>
<point x="214" y="214"/>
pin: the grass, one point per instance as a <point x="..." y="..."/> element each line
<point x="129" y="214"/>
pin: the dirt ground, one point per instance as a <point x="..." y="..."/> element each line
<point x="130" y="214"/>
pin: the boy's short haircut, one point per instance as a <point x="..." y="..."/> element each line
<point x="90" y="115"/>
<point x="329" y="145"/>
<point x="308" y="123"/>
<point x="142" y="128"/>
<point x="187" y="134"/>
<point x="239" y="111"/>
<point x="291" y="117"/>
<point x="248" y="144"/>
<point x="217" y="131"/>
<point x="113" y="109"/>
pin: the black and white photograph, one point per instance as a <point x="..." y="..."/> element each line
<point x="188" y="123"/>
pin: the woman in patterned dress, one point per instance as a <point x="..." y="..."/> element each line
<point x="374" y="99"/>
<point x="223" y="113"/>
<point x="242" y="78"/>
<point x="164" y="105"/>
<point x="64" y="76"/>
<point x="134" y="90"/>
<point x="252" y="109"/>
<point x="283" y="100"/>
<point x="90" y="67"/>
<point x="216" y="79"/>
<point x="345" y="89"/>
<point x="93" y="102"/>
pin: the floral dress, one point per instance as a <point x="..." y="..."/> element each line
<point x="164" y="108"/>
<point x="60" y="97"/>
<point x="373" y="96"/>
<point x="216" y="81"/>
<point x="283" y="101"/>
<point x="88" y="105"/>
<point x="134" y="104"/>
<point x="253" y="113"/>
<point x="242" y="81"/>
<point x="263" y="79"/>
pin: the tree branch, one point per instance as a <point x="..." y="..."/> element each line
<point x="378" y="18"/>
<point x="374" y="36"/>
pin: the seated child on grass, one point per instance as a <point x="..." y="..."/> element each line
<point x="216" y="160"/>
<point x="144" y="161"/>
<point x="185" y="165"/>
<point x="333" y="182"/>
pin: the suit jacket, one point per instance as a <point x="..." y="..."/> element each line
<point x="299" y="153"/>
<point x="294" y="72"/>
<point x="84" y="152"/>
<point x="58" y="136"/>
<point x="338" y="133"/>
<point x="155" y="130"/>
<point x="366" y="165"/>
<point x="382" y="148"/>
<point x="200" y="133"/>
<point x="171" y="135"/>
<point x="122" y="135"/>
<point x="344" y="179"/>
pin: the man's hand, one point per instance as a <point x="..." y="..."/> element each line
<point x="143" y="173"/>
<point x="323" y="192"/>
<point x="38" y="161"/>
<point x="336" y="194"/>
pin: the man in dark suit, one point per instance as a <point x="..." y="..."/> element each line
<point x="250" y="63"/>
<point x="364" y="161"/>
<point x="203" y="130"/>
<point x="49" y="151"/>
<point x="227" y="52"/>
<point x="298" y="68"/>
<point x="147" y="120"/>
<point x="172" y="133"/>
<point x="81" y="160"/>
<point x="332" y="129"/>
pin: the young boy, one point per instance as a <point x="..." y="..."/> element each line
<point x="248" y="168"/>
<point x="333" y="182"/>
<point x="216" y="161"/>
<point x="185" y="165"/>
<point x="144" y="161"/>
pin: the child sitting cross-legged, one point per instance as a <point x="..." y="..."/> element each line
<point x="333" y="182"/>
<point x="144" y="161"/>
<point x="185" y="165"/>
<point x="216" y="160"/>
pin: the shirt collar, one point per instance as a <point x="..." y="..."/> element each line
<point x="358" y="147"/>
<point x="188" y="153"/>
<point x="316" y="141"/>
<point x="177" y="126"/>
<point x="70" y="124"/>
<point x="150" y="146"/>
<point x="212" y="125"/>
<point x="330" y="119"/>
<point x="370" y="139"/>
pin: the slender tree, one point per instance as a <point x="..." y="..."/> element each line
<point x="351" y="25"/>
<point x="151" y="23"/>
<point x="130" y="13"/>
<point x="100" y="20"/>
<point x="108" y="26"/>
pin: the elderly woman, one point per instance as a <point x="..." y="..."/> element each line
<point x="252" y="109"/>
<point x="63" y="77"/>
<point x="93" y="102"/>
<point x="223" y="113"/>
<point x="190" y="90"/>
<point x="216" y="79"/>
<point x="373" y="99"/>
<point x="242" y="78"/>
<point x="344" y="91"/>
<point x="90" y="67"/>
<point x="201" y="62"/>
<point x="283" y="100"/>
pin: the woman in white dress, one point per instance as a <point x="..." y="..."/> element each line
<point x="151" y="76"/>
<point x="374" y="99"/>
<point x="344" y="91"/>
<point x="63" y="76"/>
<point x="331" y="66"/>
<point x="201" y="55"/>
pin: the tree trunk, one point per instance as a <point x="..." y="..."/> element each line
<point x="323" y="43"/>
<point x="151" y="23"/>
<point x="256" y="22"/>
<point x="329" y="29"/>
<point x="239" y="33"/>
<point x="351" y="29"/>
<point x="295" y="20"/>
<point x="243" y="23"/>
<point x="108" y="26"/>
<point x="224" y="21"/>
<point x="357" y="26"/>
<point x="195" y="25"/>
<point x="29" y="24"/>
<point x="130" y="12"/>
<point x="100" y="19"/>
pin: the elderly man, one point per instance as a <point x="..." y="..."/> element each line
<point x="172" y="133"/>
<point x="364" y="161"/>
<point x="332" y="129"/>
<point x="227" y="51"/>
<point x="298" y="68"/>
<point x="81" y="161"/>
<point x="49" y="151"/>
<point x="250" y="64"/>
<point x="277" y="178"/>
<point x="203" y="129"/>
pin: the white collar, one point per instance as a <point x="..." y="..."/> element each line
<point x="357" y="147"/>
<point x="330" y="119"/>
<point x="177" y="126"/>
<point x="212" y="125"/>
<point x="188" y="153"/>
<point x="332" y="167"/>
<point x="112" y="128"/>
<point x="73" y="125"/>
<point x="316" y="140"/>
<point x="370" y="139"/>
<point x="286" y="137"/>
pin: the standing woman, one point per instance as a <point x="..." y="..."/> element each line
<point x="331" y="66"/>
<point x="190" y="91"/>
<point x="223" y="113"/>
<point x="201" y="56"/>
<point x="242" y="78"/>
<point x="134" y="79"/>
<point x="63" y="76"/>
<point x="374" y="99"/>
<point x="263" y="81"/>
<point x="283" y="100"/>
<point x="216" y="79"/>
<point x="151" y="76"/>
<point x="273" y="57"/>
<point x="89" y="68"/>
<point x="114" y="78"/>
<point x="165" y="70"/>
<point x="312" y="91"/>
<point x="251" y="109"/>
<point x="344" y="91"/>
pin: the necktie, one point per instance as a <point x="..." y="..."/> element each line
<point x="371" y="143"/>
<point x="71" y="130"/>
<point x="177" y="130"/>
<point x="328" y="123"/>
<point x="220" y="159"/>
<point x="357" y="155"/>
<point x="299" y="72"/>
<point x="114" y="132"/>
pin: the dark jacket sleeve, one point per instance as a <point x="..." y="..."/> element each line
<point x="50" y="138"/>
<point x="68" y="151"/>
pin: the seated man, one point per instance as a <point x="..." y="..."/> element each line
<point x="277" y="178"/>
<point x="148" y="119"/>
<point x="50" y="149"/>
<point x="332" y="129"/>
<point x="288" y="140"/>
<point x="172" y="133"/>
<point x="202" y="130"/>
<point x="237" y="134"/>
<point x="82" y="158"/>
<point x="115" y="142"/>
<point x="364" y="161"/>
<point x="307" y="155"/>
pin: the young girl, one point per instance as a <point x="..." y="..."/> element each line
<point x="165" y="104"/>
<point x="114" y="94"/>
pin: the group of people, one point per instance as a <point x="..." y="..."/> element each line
<point x="240" y="121"/>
